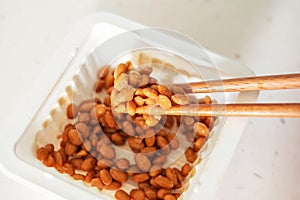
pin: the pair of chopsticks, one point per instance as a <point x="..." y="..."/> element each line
<point x="273" y="82"/>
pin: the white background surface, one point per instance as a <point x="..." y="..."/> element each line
<point x="264" y="34"/>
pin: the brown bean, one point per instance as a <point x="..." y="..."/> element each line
<point x="86" y="106"/>
<point x="93" y="138"/>
<point x="169" y="197"/>
<point x="82" y="153"/>
<point x="109" y="118"/>
<point x="83" y="129"/>
<point x="144" y="80"/>
<point x="98" y="111"/>
<point x="109" y="130"/>
<point x="63" y="155"/>
<point x="143" y="185"/>
<point x="151" y="121"/>
<point x="149" y="151"/>
<point x="49" y="147"/>
<point x="177" y="89"/>
<point x="150" y="193"/>
<point x="201" y="129"/>
<point x="178" y="185"/>
<point x="159" y="159"/>
<point x="150" y="93"/>
<point x="141" y="177"/>
<point x="198" y="144"/>
<point x="142" y="162"/>
<point x="150" y="102"/>
<point x="103" y="72"/>
<point x="122" y="195"/>
<point x="155" y="170"/>
<point x="58" y="160"/>
<point x="96" y="182"/>
<point x="121" y="108"/>
<point x="117" y="139"/>
<point x="150" y="137"/>
<point x="153" y="81"/>
<point x="131" y="108"/>
<point x="107" y="101"/>
<point x="134" y="78"/>
<point x="88" y="164"/>
<point x="162" y="142"/>
<point x="42" y="153"/>
<point x="89" y="176"/>
<point x="137" y="194"/>
<point x="109" y="90"/>
<point x="135" y="145"/>
<point x="133" y="169"/>
<point x="104" y="139"/>
<point x="188" y="120"/>
<point x="209" y="121"/>
<point x="99" y="85"/>
<point x="70" y="148"/>
<point x="154" y="86"/>
<point x="74" y="137"/>
<point x="104" y="163"/>
<point x="109" y="81"/>
<point x="139" y="121"/>
<point x="68" y="169"/>
<point x="105" y="177"/>
<point x="83" y="117"/>
<point x="72" y="111"/>
<point x="162" y="133"/>
<point x="118" y="175"/>
<point x="113" y="186"/>
<point x="170" y="173"/>
<point x="139" y="93"/>
<point x="62" y="144"/>
<point x="87" y="145"/>
<point x="126" y="94"/>
<point x="164" y="102"/>
<point x="97" y="130"/>
<point x="190" y="155"/>
<point x="176" y="195"/>
<point x="153" y="183"/>
<point x="180" y="177"/>
<point x="185" y="169"/>
<point x="64" y="136"/>
<point x="49" y="161"/>
<point x="173" y="140"/>
<point x="146" y="70"/>
<point x="161" y="193"/>
<point x="139" y="101"/>
<point x="164" y="91"/>
<point x="121" y="82"/>
<point x="76" y="162"/>
<point x="122" y="163"/>
<point x="169" y="122"/>
<point x="180" y="99"/>
<point x="128" y="128"/>
<point x="78" y="177"/>
<point x="164" y="182"/>
<point x="121" y="68"/>
<point x="107" y="151"/>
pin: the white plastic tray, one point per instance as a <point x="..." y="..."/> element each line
<point x="80" y="42"/>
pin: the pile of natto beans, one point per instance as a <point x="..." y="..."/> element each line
<point x="88" y="145"/>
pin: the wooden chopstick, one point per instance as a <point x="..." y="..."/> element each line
<point x="272" y="82"/>
<point x="284" y="110"/>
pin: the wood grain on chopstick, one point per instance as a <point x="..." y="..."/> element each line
<point x="273" y="82"/>
<point x="287" y="110"/>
